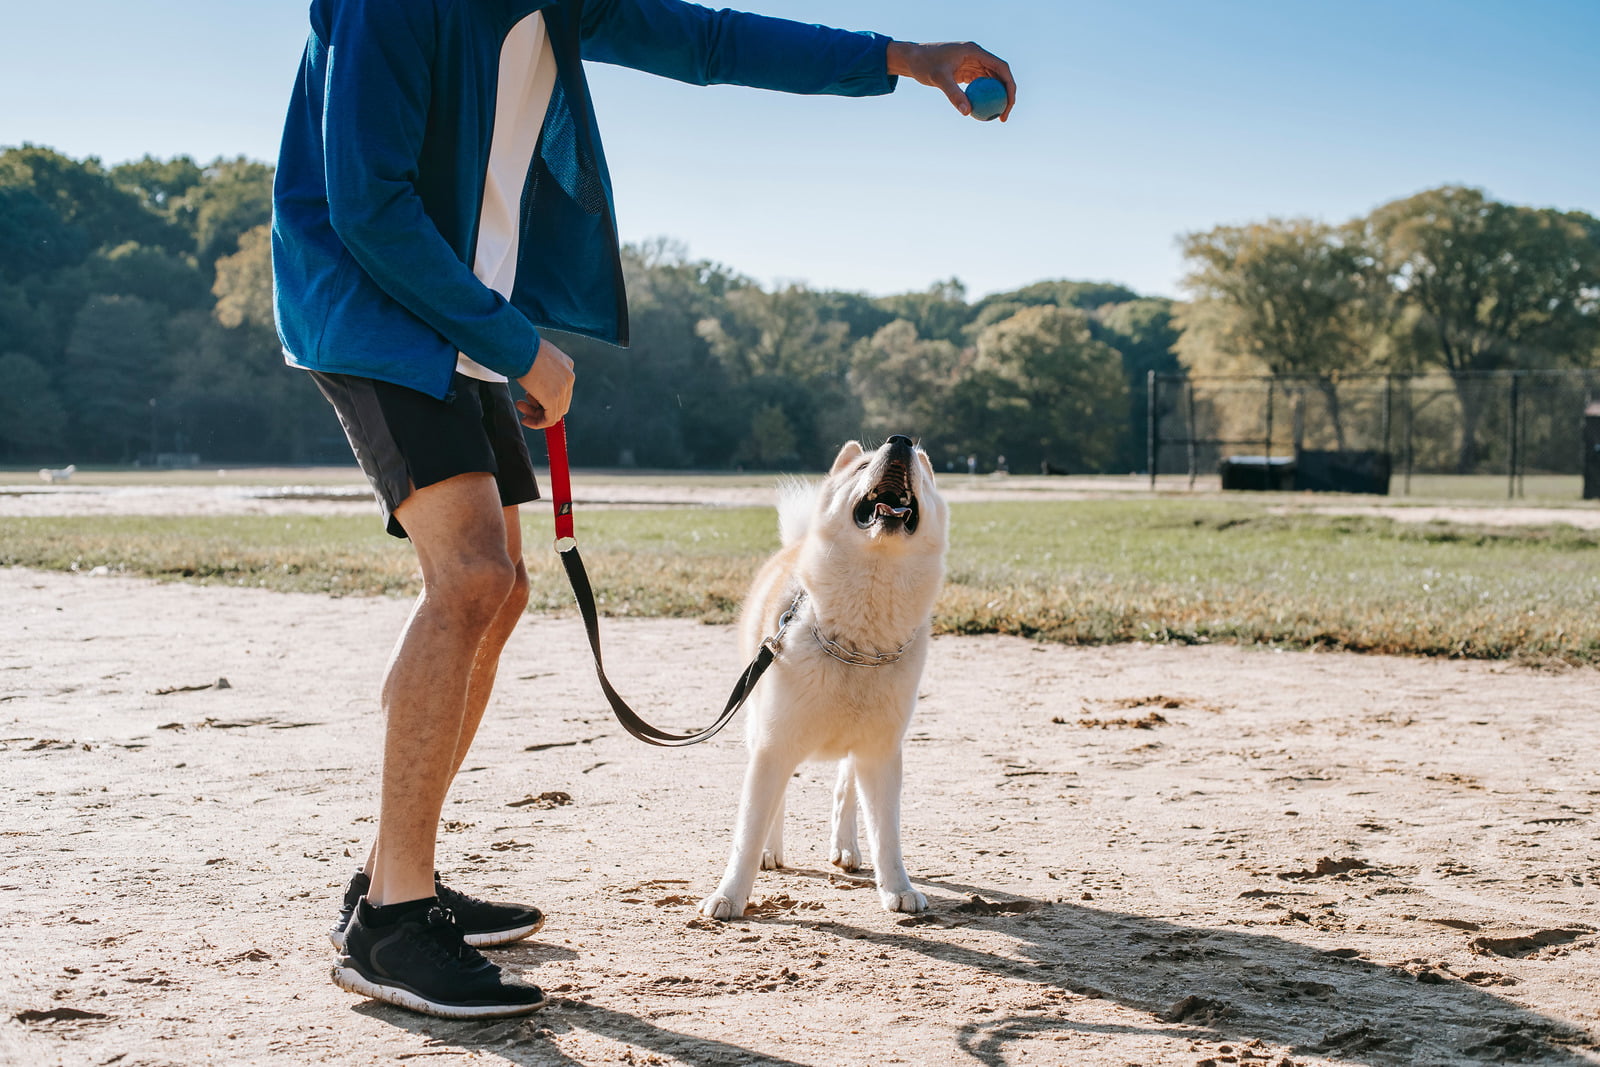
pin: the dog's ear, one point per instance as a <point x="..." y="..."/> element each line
<point x="846" y="456"/>
<point x="927" y="464"/>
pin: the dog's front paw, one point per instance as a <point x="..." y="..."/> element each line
<point x="717" y="906"/>
<point x="902" y="900"/>
<point x="771" y="859"/>
<point x="845" y="859"/>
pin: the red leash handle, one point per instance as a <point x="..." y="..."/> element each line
<point x="555" y="441"/>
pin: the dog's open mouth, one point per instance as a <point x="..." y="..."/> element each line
<point x="889" y="506"/>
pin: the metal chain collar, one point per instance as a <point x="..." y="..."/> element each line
<point x="831" y="647"/>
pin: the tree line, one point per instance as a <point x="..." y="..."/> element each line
<point x="136" y="321"/>
<point x="1448" y="280"/>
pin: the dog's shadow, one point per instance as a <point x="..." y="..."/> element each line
<point x="1220" y="985"/>
<point x="1223" y="985"/>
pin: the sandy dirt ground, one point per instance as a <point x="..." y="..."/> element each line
<point x="1135" y="854"/>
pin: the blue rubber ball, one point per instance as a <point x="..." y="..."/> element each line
<point x="988" y="98"/>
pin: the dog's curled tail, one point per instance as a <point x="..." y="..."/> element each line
<point x="796" y="500"/>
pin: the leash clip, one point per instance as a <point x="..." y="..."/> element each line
<point x="774" y="643"/>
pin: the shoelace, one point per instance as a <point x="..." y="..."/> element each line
<point x="452" y="900"/>
<point x="444" y="938"/>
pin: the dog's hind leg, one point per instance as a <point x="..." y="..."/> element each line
<point x="764" y="784"/>
<point x="880" y="795"/>
<point x="772" y="854"/>
<point x="843" y="852"/>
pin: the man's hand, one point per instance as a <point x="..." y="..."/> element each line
<point x="548" y="384"/>
<point x="950" y="65"/>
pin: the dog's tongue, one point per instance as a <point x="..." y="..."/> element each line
<point x="881" y="509"/>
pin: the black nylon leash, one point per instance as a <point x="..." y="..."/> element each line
<point x="555" y="438"/>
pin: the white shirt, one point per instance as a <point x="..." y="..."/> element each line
<point x="527" y="77"/>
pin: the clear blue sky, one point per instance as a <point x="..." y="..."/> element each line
<point x="1137" y="121"/>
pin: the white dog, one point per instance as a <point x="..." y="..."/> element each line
<point x="852" y="592"/>
<point x="53" y="476"/>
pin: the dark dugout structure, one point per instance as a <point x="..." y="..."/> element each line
<point x="1371" y="433"/>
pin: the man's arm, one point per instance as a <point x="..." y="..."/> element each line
<point x="690" y="43"/>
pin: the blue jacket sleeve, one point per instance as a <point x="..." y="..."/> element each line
<point x="375" y="114"/>
<point x="690" y="43"/>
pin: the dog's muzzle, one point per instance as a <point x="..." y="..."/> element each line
<point x="891" y="504"/>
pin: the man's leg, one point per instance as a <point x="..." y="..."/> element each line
<point x="458" y="529"/>
<point x="486" y="663"/>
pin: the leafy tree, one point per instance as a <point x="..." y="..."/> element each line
<point x="152" y="274"/>
<point x="1061" y="293"/>
<point x="1055" y="395"/>
<point x="22" y="328"/>
<point x="862" y="315"/>
<point x="243" y="288"/>
<point x="771" y="442"/>
<point x="1288" y="296"/>
<point x="162" y="185"/>
<point x="34" y="238"/>
<point x="939" y="312"/>
<point x="902" y="382"/>
<point x="233" y="196"/>
<point x="1489" y="286"/>
<point x="666" y="401"/>
<point x="778" y="348"/>
<point x="988" y="313"/>
<point x="31" y="416"/>
<point x="1144" y="333"/>
<point x="84" y="198"/>
<point x="111" y="375"/>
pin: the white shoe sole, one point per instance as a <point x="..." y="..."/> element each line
<point x="499" y="937"/>
<point x="352" y="981"/>
<point x="503" y="937"/>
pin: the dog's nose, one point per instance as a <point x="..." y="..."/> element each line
<point x="900" y="439"/>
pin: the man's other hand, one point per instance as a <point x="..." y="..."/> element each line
<point x="950" y="65"/>
<point x="548" y="384"/>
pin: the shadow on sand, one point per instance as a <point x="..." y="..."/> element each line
<point x="1220" y="985"/>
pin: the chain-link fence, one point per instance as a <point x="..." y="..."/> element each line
<point x="1509" y="423"/>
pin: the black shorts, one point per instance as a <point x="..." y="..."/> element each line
<point x="406" y="440"/>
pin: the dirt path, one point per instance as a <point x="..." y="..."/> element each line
<point x="1137" y="855"/>
<point x="327" y="490"/>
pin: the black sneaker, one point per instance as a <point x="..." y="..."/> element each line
<point x="483" y="924"/>
<point x="359" y="883"/>
<point x="421" y="962"/>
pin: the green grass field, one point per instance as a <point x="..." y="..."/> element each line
<point x="1142" y="568"/>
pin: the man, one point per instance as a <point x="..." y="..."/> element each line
<point x="441" y="195"/>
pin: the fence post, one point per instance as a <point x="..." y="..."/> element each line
<point x="1189" y="431"/>
<point x="1271" y="383"/>
<point x="1388" y="405"/>
<point x="1512" y="459"/>
<point x="1410" y="425"/>
<point x="1151" y="444"/>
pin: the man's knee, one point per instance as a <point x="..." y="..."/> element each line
<point x="517" y="599"/>
<point x="476" y="589"/>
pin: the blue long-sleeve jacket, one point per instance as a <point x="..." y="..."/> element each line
<point x="381" y="171"/>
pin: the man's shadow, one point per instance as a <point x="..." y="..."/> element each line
<point x="529" y="1040"/>
<point x="1222" y="985"/>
